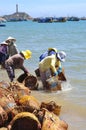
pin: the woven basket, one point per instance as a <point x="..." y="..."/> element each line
<point x="53" y="122"/>
<point x="30" y="102"/>
<point x="7" y="104"/>
<point x="19" y="90"/>
<point x="25" y="121"/>
<point x="19" y="109"/>
<point x="22" y="77"/>
<point x="7" y="101"/>
<point x="4" y="84"/>
<point x="31" y="82"/>
<point x="4" y="92"/>
<point x="52" y="107"/>
<point x="53" y="84"/>
<point x="37" y="72"/>
<point x="62" y="77"/>
<point x="3" y="117"/>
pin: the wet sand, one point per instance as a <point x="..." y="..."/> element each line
<point x="4" y="76"/>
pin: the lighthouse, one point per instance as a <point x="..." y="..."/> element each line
<point x="16" y="8"/>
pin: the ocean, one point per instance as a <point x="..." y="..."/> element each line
<point x="68" y="36"/>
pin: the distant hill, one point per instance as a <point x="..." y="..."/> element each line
<point x="18" y="16"/>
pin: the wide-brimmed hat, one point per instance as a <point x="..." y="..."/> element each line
<point x="61" y="56"/>
<point x="4" y="43"/>
<point x="10" y="39"/>
<point x="52" y="49"/>
<point x="27" y="54"/>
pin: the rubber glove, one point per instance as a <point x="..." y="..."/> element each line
<point x="56" y="73"/>
<point x="59" y="70"/>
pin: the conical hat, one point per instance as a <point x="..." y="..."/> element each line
<point x="10" y="39"/>
<point x="5" y="43"/>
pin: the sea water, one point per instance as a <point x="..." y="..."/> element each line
<point x="68" y="36"/>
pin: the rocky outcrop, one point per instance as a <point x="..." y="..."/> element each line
<point x="2" y="19"/>
<point x="18" y="16"/>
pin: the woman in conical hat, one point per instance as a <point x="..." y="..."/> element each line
<point x="10" y="39"/>
<point x="12" y="48"/>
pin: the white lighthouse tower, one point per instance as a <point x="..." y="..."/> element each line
<point x="16" y="8"/>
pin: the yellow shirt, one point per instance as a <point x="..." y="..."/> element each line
<point x="49" y="63"/>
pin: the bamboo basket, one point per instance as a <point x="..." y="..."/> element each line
<point x="53" y="84"/>
<point x="24" y="121"/>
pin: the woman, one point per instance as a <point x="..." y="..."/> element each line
<point x="51" y="66"/>
<point x="50" y="51"/>
<point x="12" y="48"/>
<point x="16" y="62"/>
<point x="3" y="53"/>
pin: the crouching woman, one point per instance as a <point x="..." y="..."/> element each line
<point x="51" y="66"/>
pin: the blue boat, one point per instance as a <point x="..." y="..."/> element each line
<point x="45" y="20"/>
<point x="2" y="24"/>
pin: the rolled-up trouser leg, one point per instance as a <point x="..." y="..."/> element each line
<point x="44" y="76"/>
<point x="10" y="71"/>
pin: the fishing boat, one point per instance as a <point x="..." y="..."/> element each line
<point x="60" y="19"/>
<point x="2" y="24"/>
<point x="45" y="20"/>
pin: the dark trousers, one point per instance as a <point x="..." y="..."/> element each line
<point x="10" y="71"/>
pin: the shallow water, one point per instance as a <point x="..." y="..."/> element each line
<point x="68" y="36"/>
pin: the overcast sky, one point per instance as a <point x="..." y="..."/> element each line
<point x="42" y="8"/>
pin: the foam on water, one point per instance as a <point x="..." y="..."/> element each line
<point x="66" y="86"/>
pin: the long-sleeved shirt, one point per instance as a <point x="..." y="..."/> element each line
<point x="12" y="49"/>
<point x="17" y="61"/>
<point x="3" y="49"/>
<point x="3" y="53"/>
<point x="50" y="62"/>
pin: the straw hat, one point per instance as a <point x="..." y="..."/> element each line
<point x="10" y="39"/>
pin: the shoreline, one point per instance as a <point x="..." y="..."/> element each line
<point x="4" y="75"/>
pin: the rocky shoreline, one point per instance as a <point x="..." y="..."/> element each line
<point x="22" y="16"/>
<point x="18" y="16"/>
